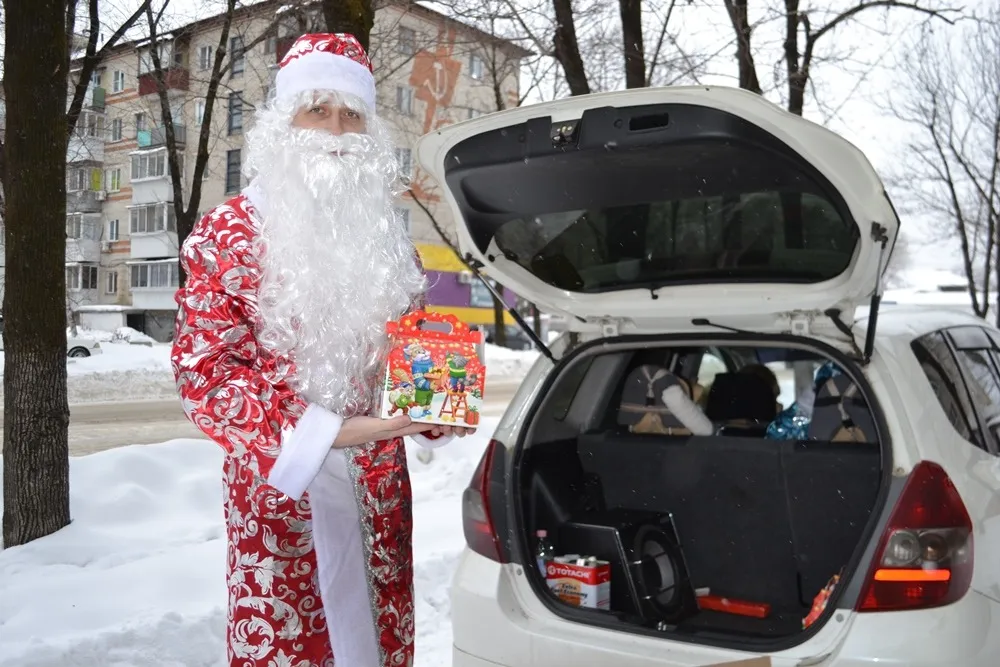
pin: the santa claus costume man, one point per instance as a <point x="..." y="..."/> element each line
<point x="279" y="346"/>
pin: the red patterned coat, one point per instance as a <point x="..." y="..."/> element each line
<point x="319" y="557"/>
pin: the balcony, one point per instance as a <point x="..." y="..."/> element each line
<point x="157" y="137"/>
<point x="85" y="149"/>
<point x="94" y="98"/>
<point x="83" y="238"/>
<point x="83" y="250"/>
<point x="154" y="284"/>
<point x="175" y="78"/>
<point x="153" y="245"/>
<point x="84" y="201"/>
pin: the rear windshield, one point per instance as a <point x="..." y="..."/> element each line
<point x="699" y="196"/>
<point x="762" y="236"/>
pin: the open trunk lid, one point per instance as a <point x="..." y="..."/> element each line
<point x="658" y="206"/>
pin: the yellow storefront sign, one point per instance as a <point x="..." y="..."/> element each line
<point x="439" y="258"/>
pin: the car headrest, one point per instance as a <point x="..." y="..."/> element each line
<point x="840" y="413"/>
<point x="740" y="396"/>
<point x="642" y="409"/>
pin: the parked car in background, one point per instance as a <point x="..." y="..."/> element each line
<point x="692" y="236"/>
<point x="77" y="347"/>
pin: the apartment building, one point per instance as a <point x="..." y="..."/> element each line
<point x="121" y="254"/>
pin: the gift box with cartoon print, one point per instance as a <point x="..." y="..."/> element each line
<point x="434" y="373"/>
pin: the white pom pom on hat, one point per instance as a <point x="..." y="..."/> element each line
<point x="326" y="61"/>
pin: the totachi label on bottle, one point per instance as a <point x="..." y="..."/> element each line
<point x="581" y="585"/>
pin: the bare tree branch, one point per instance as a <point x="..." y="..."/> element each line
<point x="93" y="57"/>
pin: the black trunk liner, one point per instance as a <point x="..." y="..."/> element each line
<point x="759" y="520"/>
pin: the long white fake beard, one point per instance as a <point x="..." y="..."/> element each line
<point x="336" y="263"/>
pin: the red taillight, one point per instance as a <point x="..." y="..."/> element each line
<point x="480" y="534"/>
<point x="924" y="558"/>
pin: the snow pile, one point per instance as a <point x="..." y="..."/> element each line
<point x="138" y="578"/>
<point x="130" y="372"/>
<point x="119" y="335"/>
<point x="502" y="362"/>
<point x="122" y="372"/>
<point x="133" y="367"/>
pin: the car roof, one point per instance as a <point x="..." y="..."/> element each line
<point x="905" y="322"/>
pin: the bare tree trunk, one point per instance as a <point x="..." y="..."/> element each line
<point x="355" y="17"/>
<point x="567" y="49"/>
<point x="93" y="57"/>
<point x="737" y="10"/>
<point x="36" y="414"/>
<point x="635" y="53"/>
<point x="185" y="217"/>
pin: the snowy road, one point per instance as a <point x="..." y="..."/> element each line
<point x="95" y="427"/>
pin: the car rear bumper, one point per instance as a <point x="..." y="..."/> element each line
<point x="460" y="658"/>
<point x="493" y="627"/>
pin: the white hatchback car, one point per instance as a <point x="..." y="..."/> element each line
<point x="77" y="347"/>
<point x="703" y="236"/>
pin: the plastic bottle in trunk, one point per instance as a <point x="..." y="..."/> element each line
<point x="544" y="551"/>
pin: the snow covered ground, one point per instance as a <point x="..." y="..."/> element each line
<point x="137" y="580"/>
<point x="133" y="372"/>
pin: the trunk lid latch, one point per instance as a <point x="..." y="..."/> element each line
<point x="610" y="327"/>
<point x="798" y="323"/>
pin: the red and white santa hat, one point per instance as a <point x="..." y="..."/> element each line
<point x="326" y="61"/>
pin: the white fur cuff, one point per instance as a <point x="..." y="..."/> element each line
<point x="431" y="443"/>
<point x="304" y="450"/>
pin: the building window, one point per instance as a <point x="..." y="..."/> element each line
<point x="76" y="179"/>
<point x="271" y="44"/>
<point x="166" y="54"/>
<point x="199" y="111"/>
<point x="149" y="165"/>
<point x="476" y="67"/>
<point x="113" y="230"/>
<point x="265" y="94"/>
<point x="405" y="158"/>
<point x="205" y="57"/>
<point x="140" y="123"/>
<point x="111" y="282"/>
<point x="117" y="81"/>
<point x="404" y="99"/>
<point x="74" y="226"/>
<point x="113" y="179"/>
<point x="96" y="76"/>
<point x="154" y="276"/>
<point x="233" y="166"/>
<point x="237" y="58"/>
<point x="407" y="44"/>
<point x="81" y="276"/>
<point x="151" y="219"/>
<point x="116" y="129"/>
<point x="92" y="125"/>
<point x="235" y="118"/>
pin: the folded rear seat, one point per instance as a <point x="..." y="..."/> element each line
<point x="831" y="482"/>
<point x="728" y="500"/>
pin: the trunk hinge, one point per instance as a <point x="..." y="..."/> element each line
<point x="880" y="234"/>
<point x="474" y="265"/>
